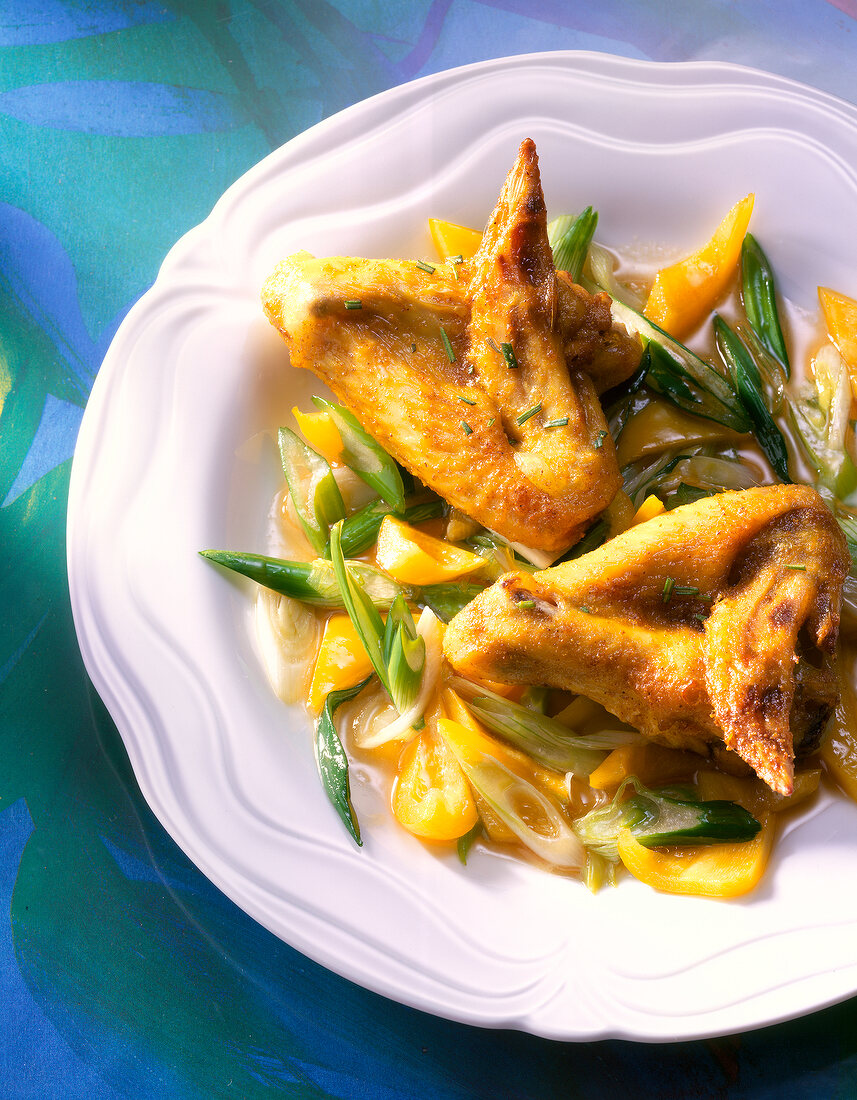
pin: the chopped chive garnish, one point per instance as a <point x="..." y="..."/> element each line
<point x="471" y="369"/>
<point x="491" y="421"/>
<point x="509" y="356"/>
<point x="701" y="618"/>
<point x="527" y="604"/>
<point x="667" y="590"/>
<point x="467" y="429"/>
<point x="492" y="345"/>
<point x="450" y="354"/>
<point x="525" y="416"/>
<point x="459" y="259"/>
<point x="467" y="400"/>
<point x="686" y="590"/>
<point x="560" y="422"/>
<point x="599" y="439"/>
<point x="353" y="303"/>
<point x="413" y="347"/>
<point x="800" y="568"/>
<point x="585" y="609"/>
<point x="423" y="266"/>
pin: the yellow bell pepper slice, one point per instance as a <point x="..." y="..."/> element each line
<point x="411" y="556"/>
<point x="840" y="315"/>
<point x="716" y="870"/>
<point x="431" y="797"/>
<point x="654" y="765"/>
<point x="454" y="240"/>
<point x="320" y="432"/>
<point x="652" y="506"/>
<point x="683" y="293"/>
<point x="342" y="661"/>
<point x="839" y="751"/>
<point x="659" y="426"/>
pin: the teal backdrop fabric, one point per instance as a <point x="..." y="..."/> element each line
<point x="123" y="971"/>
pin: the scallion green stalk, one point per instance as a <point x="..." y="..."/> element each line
<point x="366" y="457"/>
<point x="312" y="486"/>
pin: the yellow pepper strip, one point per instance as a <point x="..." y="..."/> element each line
<point x="654" y="765"/>
<point x="683" y="293"/>
<point x="342" y="661"/>
<point x="411" y="556"/>
<point x="840" y="315"/>
<point x="716" y="870"/>
<point x="652" y="506"/>
<point x="454" y="240"/>
<point x="839" y="751"/>
<point x="658" y="426"/>
<point x="320" y="432"/>
<point x="431" y="797"/>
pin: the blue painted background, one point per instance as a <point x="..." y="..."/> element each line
<point x="123" y="972"/>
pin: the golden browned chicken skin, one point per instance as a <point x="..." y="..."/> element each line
<point x="714" y="622"/>
<point x="461" y="372"/>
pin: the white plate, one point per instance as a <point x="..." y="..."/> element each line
<point x="164" y="468"/>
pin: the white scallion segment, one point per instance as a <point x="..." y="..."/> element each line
<point x="430" y="629"/>
<point x="705" y="472"/>
<point x="288" y="634"/>
<point x="508" y="794"/>
<point x="602" y="270"/>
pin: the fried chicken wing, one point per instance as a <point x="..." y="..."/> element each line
<point x="714" y="622"/>
<point x="461" y="372"/>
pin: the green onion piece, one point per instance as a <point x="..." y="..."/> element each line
<point x="681" y="376"/>
<point x="364" y="616"/>
<point x="509" y="355"/>
<point x="353" y="303"/>
<point x="526" y="604"/>
<point x="312" y="582"/>
<point x="760" y="300"/>
<point x="525" y="416"/>
<point x="459" y="259"/>
<point x="570" y="239"/>
<point x="656" y="819"/>
<point x="366" y="457"/>
<point x="404" y="654"/>
<point x="549" y="742"/>
<point x="467" y="429"/>
<point x="466" y="842"/>
<point x="661" y="817"/>
<point x="667" y="590"/>
<point x="423" y="266"/>
<point x="506" y="793"/>
<point x="446" y="600"/>
<point x="700" y="618"/>
<point x="560" y="422"/>
<point x="447" y="345"/>
<point x="748" y="386"/>
<point x="332" y="761"/>
<point x="312" y="486"/>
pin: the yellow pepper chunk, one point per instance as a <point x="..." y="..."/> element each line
<point x="839" y="751"/>
<point x="652" y="506"/>
<point x="715" y="870"/>
<point x="411" y="556"/>
<point x="659" y="426"/>
<point x="840" y="315"/>
<point x="454" y="240"/>
<point x="654" y="765"/>
<point x="342" y="661"/>
<point x="320" y="432"/>
<point x="431" y="796"/>
<point x="683" y="293"/>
